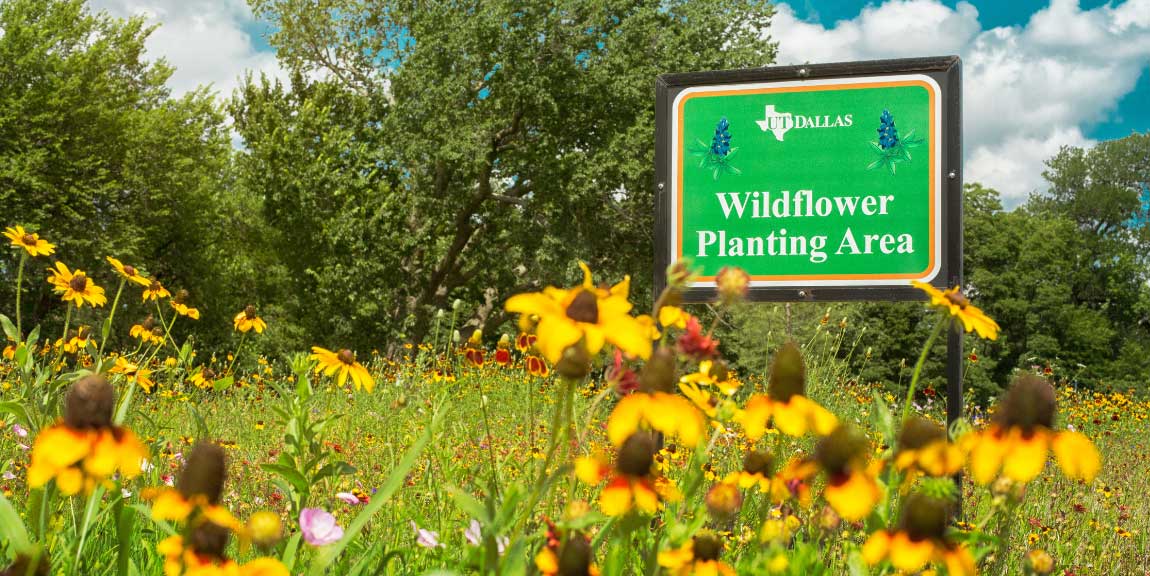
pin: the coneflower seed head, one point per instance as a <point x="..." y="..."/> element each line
<point x="89" y="404"/>
<point x="204" y="473"/>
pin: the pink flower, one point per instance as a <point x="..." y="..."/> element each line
<point x="319" y="527"/>
<point x="426" y="538"/>
<point x="20" y="431"/>
<point x="348" y="497"/>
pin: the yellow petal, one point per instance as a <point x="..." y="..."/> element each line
<point x="1077" y="456"/>
<point x="615" y="499"/>
<point x="1026" y="457"/>
<point x="908" y="555"/>
<point x="853" y="498"/>
<point x="877" y="547"/>
<point x="986" y="453"/>
<point x="554" y="334"/>
<point x="625" y="419"/>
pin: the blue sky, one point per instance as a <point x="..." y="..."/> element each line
<point x="1037" y="74"/>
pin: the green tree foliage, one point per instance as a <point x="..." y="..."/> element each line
<point x="433" y="151"/>
<point x="97" y="155"/>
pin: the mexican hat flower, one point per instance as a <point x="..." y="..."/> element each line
<point x="1019" y="439"/>
<point x="923" y="447"/>
<point x="85" y="448"/>
<point x="669" y="414"/>
<point x="128" y="272"/>
<point x="343" y="363"/>
<point x="956" y="304"/>
<point x="204" y="555"/>
<point x="30" y="242"/>
<point x="75" y="286"/>
<point x="155" y="290"/>
<point x="631" y="485"/>
<point x="851" y="487"/>
<point x="919" y="539"/>
<point x="586" y="313"/>
<point x="180" y="305"/>
<point x="196" y="498"/>
<point x="785" y="404"/>
<point x="699" y="555"/>
<point x="566" y="555"/>
<point x="247" y="320"/>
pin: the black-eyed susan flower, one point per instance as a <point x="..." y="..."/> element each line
<point x="920" y="539"/>
<point x="714" y="373"/>
<point x="923" y="447"/>
<point x="669" y="414"/>
<point x="697" y="556"/>
<point x="180" y="305"/>
<point x="155" y="290"/>
<point x="343" y="363"/>
<point x="247" y="320"/>
<point x="196" y="498"/>
<point x="133" y="372"/>
<point x="956" y="304"/>
<point x="30" y="242"/>
<point x="203" y="378"/>
<point x="851" y="487"/>
<point x="587" y="314"/>
<point x="75" y="286"/>
<point x="77" y="340"/>
<point x="1019" y="439"/>
<point x="757" y="471"/>
<point x="785" y="405"/>
<point x="85" y="448"/>
<point x="144" y="331"/>
<point x="128" y="272"/>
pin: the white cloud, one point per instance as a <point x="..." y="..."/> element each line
<point x="1027" y="90"/>
<point x="204" y="40"/>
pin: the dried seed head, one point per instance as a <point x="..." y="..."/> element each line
<point x="346" y="356"/>
<point x="575" y="363"/>
<point x="204" y="473"/>
<point x="575" y="556"/>
<point x="658" y="374"/>
<point x="840" y="450"/>
<point x="584" y="308"/>
<point x="788" y="374"/>
<point x="1028" y="404"/>
<point x="637" y="454"/>
<point x="89" y="404"/>
<point x="707" y="546"/>
<point x="925" y="517"/>
<point x="209" y="539"/>
<point x="756" y="462"/>
<point x="917" y="432"/>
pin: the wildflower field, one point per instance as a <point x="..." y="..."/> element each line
<point x="595" y="439"/>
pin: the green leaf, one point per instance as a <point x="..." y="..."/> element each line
<point x="469" y="504"/>
<point x="12" y="527"/>
<point x="106" y="329"/>
<point x="33" y="337"/>
<point x="394" y="481"/>
<point x="291" y="475"/>
<point x="9" y="328"/>
<point x="17" y="410"/>
<point x="223" y="383"/>
<point x="334" y="469"/>
<point x="289" y="555"/>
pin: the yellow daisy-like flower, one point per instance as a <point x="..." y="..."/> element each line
<point x="128" y="272"/>
<point x="670" y="414"/>
<point x="31" y="242"/>
<point x="134" y="373"/>
<point x="714" y="373"/>
<point x="920" y="539"/>
<point x="956" y="304"/>
<point x="1019" y="440"/>
<point x="146" y="331"/>
<point x="851" y="486"/>
<point x="345" y="364"/>
<point x="756" y="472"/>
<point x="631" y="485"/>
<point x="76" y="286"/>
<point x="181" y="560"/>
<point x="203" y="378"/>
<point x="154" y="291"/>
<point x="247" y="320"/>
<point x="587" y="314"/>
<point x="172" y="506"/>
<point x="699" y="556"/>
<point x="180" y="305"/>
<point x="673" y="317"/>
<point x="85" y="449"/>
<point x="923" y="447"/>
<point x="78" y="339"/>
<point x="785" y="405"/>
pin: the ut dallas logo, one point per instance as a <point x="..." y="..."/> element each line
<point x="778" y="123"/>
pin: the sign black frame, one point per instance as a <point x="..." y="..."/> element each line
<point x="945" y="70"/>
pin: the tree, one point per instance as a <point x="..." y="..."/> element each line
<point x="437" y="150"/>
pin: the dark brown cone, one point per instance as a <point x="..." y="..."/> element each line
<point x="756" y="462"/>
<point x="575" y="363"/>
<point x="575" y="556"/>
<point x="78" y="283"/>
<point x="204" y="473"/>
<point x="707" y="546"/>
<point x="788" y="374"/>
<point x="209" y="539"/>
<point x="925" y="517"/>
<point x="840" y="449"/>
<point x="89" y="404"/>
<point x="637" y="454"/>
<point x="658" y="374"/>
<point x="1028" y="404"/>
<point x="584" y="308"/>
<point x="917" y="432"/>
<point x="719" y="371"/>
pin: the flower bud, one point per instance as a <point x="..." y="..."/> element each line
<point x="733" y="283"/>
<point x="575" y="363"/>
<point x="89" y="404"/>
<point x="679" y="274"/>
<point x="1030" y="403"/>
<point x="658" y="374"/>
<point x="204" y="473"/>
<point x="265" y="528"/>
<point x="723" y="501"/>
<point x="788" y="374"/>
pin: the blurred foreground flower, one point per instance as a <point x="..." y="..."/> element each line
<point x="920" y="539"/>
<point x="699" y="555"/>
<point x="785" y="405"/>
<point x="319" y="527"/>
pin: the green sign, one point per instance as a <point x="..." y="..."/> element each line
<point x="808" y="183"/>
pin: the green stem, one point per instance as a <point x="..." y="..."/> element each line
<point x="236" y="356"/>
<point x="104" y="333"/>
<point x="89" y="513"/>
<point x="944" y="321"/>
<point x="19" y="288"/>
<point x="168" y="331"/>
<point x="557" y="431"/>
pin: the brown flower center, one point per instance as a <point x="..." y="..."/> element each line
<point x="957" y="299"/>
<point x="757" y="462"/>
<point x="838" y="452"/>
<point x="89" y="404"/>
<point x="637" y="454"/>
<point x="181" y="296"/>
<point x="584" y="308"/>
<point x="346" y="356"/>
<point x="29" y="240"/>
<point x="918" y="432"/>
<point x="1030" y="403"/>
<point x="209" y="374"/>
<point x="924" y="517"/>
<point x="129" y="270"/>
<point x="155" y="286"/>
<point x="575" y="557"/>
<point x="250" y="312"/>
<point x="788" y="374"/>
<point x="79" y="282"/>
<point x="149" y="322"/>
<point x="707" y="547"/>
<point x="204" y="473"/>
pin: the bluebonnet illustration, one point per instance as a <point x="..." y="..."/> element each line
<point x="717" y="155"/>
<point x="890" y="148"/>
